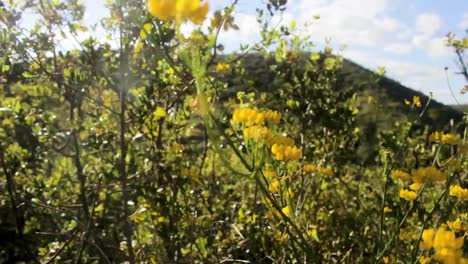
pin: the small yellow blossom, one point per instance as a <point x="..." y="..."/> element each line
<point x="287" y="141"/>
<point x="398" y="174"/>
<point x="286" y="211"/>
<point x="222" y="67"/>
<point x="457" y="225"/>
<point x="430" y="173"/>
<point x="326" y="171"/>
<point x="309" y="168"/>
<point x="439" y="137"/>
<point x="416" y="186"/>
<point x="459" y="192"/>
<point x="283" y="152"/>
<point x="270" y="174"/>
<point x="408" y="195"/>
<point x="427" y="238"/>
<point x="425" y="260"/>
<point x="448" y="248"/>
<point x="417" y="101"/>
<point x="179" y="10"/>
<point x="274" y="186"/>
<point x="387" y="209"/>
<point x="249" y="116"/>
<point x="257" y="132"/>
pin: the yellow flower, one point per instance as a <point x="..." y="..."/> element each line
<point x="448" y="248"/>
<point x="281" y="140"/>
<point x="416" y="186"/>
<point x="222" y="67"/>
<point x="274" y="186"/>
<point x="398" y="174"/>
<point x="287" y="211"/>
<point x="427" y="239"/>
<point x="430" y="173"/>
<point x="257" y="132"/>
<point x="326" y="171"/>
<point x="457" y="225"/>
<point x="270" y="174"/>
<point x="387" y="209"/>
<point x="164" y="9"/>
<point x="179" y="10"/>
<point x="439" y="137"/>
<point x="309" y="168"/>
<point x="283" y="152"/>
<point x="425" y="260"/>
<point x="459" y="192"/>
<point x="417" y="101"/>
<point x="408" y="195"/>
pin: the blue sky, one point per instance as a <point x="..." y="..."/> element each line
<point x="405" y="36"/>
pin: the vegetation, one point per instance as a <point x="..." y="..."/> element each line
<point x="149" y="147"/>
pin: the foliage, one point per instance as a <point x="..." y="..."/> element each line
<point x="151" y="148"/>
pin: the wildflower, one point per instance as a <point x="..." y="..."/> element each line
<point x="416" y="186"/>
<point x="281" y="140"/>
<point x="417" y="101"/>
<point x="457" y="225"/>
<point x="387" y="209"/>
<point x="287" y="211"/>
<point x="459" y="192"/>
<point x="326" y="171"/>
<point x="439" y="137"/>
<point x="257" y="132"/>
<point x="179" y="10"/>
<point x="283" y="152"/>
<point x="398" y="174"/>
<point x="430" y="173"/>
<point x="273" y="116"/>
<point x="427" y="239"/>
<point x="309" y="168"/>
<point x="425" y="260"/>
<point x="270" y="174"/>
<point x="408" y="195"/>
<point x="274" y="186"/>
<point x="447" y="247"/>
<point x="222" y="67"/>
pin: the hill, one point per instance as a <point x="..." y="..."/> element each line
<point x="383" y="101"/>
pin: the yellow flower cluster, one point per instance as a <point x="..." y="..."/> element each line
<point x="179" y="10"/>
<point x="408" y="195"/>
<point x="398" y="174"/>
<point x="310" y="168"/>
<point x="257" y="132"/>
<point x="222" y="67"/>
<point x="270" y="174"/>
<point x="285" y="152"/>
<point x="430" y="173"/>
<point x="274" y="186"/>
<point x="448" y="248"/>
<point x="281" y="140"/>
<point x="459" y="192"/>
<point x="254" y="116"/>
<point x="439" y="137"/>
<point x="458" y="225"/>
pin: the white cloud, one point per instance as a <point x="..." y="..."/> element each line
<point x="398" y="48"/>
<point x="427" y="23"/>
<point x="464" y="23"/>
<point x="344" y="21"/>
